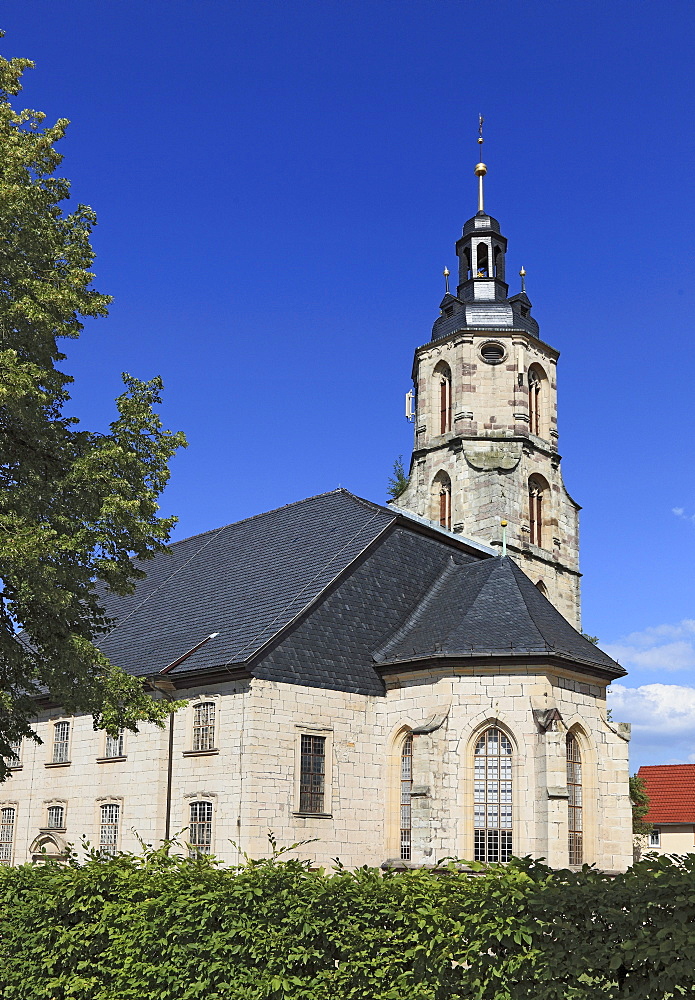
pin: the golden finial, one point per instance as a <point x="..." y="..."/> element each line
<point x="446" y="272"/>
<point x="522" y="275"/>
<point x="480" y="168"/>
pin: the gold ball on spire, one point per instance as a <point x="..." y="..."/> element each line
<point x="522" y="272"/>
<point x="446" y="272"/>
<point x="480" y="170"/>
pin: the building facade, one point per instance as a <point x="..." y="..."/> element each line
<point x="671" y="792"/>
<point x="385" y="683"/>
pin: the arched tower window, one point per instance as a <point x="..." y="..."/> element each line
<point x="498" y="257"/>
<point x="542" y="587"/>
<point x="442" y="376"/>
<point x="574" y="788"/>
<point x="536" y="378"/>
<point x="493" y="796"/>
<point x="441" y="500"/>
<point x="467" y="263"/>
<point x="482" y="263"/>
<point x="406" y="789"/>
<point x="537" y="489"/>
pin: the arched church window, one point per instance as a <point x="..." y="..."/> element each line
<point x="492" y="809"/>
<point x="536" y="376"/>
<point x="542" y="588"/>
<point x="442" y="375"/>
<point x="441" y="500"/>
<point x="574" y="789"/>
<point x="537" y="488"/>
<point x="406" y="789"/>
<point x="482" y="264"/>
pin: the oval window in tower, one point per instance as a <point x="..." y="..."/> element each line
<point x="492" y="352"/>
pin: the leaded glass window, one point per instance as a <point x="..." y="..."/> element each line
<point x="204" y="726"/>
<point x="56" y="818"/>
<point x="312" y="774"/>
<point x="7" y="817"/>
<point x="493" y="796"/>
<point x="61" y="743"/>
<point x="574" y="789"/>
<point x="200" y="829"/>
<point x="108" y="831"/>
<point x="406" y="789"/>
<point x="114" y="745"/>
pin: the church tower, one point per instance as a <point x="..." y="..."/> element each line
<point x="485" y="413"/>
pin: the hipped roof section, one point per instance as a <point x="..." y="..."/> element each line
<point x="253" y="580"/>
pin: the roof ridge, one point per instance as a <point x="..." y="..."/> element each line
<point x="284" y="506"/>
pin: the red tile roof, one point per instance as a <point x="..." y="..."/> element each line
<point x="671" y="791"/>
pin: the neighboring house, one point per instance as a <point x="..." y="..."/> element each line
<point x="367" y="677"/>
<point x="671" y="791"/>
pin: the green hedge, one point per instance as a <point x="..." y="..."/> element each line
<point x="165" y="927"/>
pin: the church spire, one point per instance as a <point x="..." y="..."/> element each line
<point x="480" y="168"/>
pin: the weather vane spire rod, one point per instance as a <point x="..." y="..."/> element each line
<point x="480" y="168"/>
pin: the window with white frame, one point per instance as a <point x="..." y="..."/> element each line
<point x="7" y="818"/>
<point x="55" y="816"/>
<point x="15" y="759"/>
<point x="108" y="828"/>
<point x="655" y="837"/>
<point x="312" y="775"/>
<point x="575" y="824"/>
<point x="114" y="745"/>
<point x="61" y="743"/>
<point x="204" y="726"/>
<point x="492" y="808"/>
<point x="200" y="829"/>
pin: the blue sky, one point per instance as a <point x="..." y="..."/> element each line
<point x="279" y="186"/>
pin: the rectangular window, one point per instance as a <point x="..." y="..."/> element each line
<point x="200" y="831"/>
<point x="312" y="774"/>
<point x="55" y="816"/>
<point x="7" y="816"/>
<point x="114" y="745"/>
<point x="655" y="838"/>
<point x="61" y="742"/>
<point x="16" y="759"/>
<point x="108" y="832"/>
<point x="204" y="726"/>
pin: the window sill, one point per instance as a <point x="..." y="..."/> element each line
<point x="308" y="815"/>
<point x="58" y="763"/>
<point x="14" y="767"/>
<point x="200" y="753"/>
<point x="109" y="760"/>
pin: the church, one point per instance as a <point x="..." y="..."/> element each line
<point x="389" y="685"/>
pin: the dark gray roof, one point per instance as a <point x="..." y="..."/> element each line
<point x="246" y="581"/>
<point x="488" y="608"/>
<point x="327" y="592"/>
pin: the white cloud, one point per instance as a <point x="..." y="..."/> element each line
<point x="660" y="647"/>
<point x="680" y="512"/>
<point x="655" y="709"/>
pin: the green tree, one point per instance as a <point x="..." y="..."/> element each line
<point x="398" y="482"/>
<point x="76" y="506"/>
<point x="640" y="805"/>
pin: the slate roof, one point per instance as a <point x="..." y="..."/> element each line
<point x="488" y="608"/>
<point x="329" y="591"/>
<point x="246" y="581"/>
<point x="671" y="791"/>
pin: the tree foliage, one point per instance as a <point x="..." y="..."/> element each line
<point x="157" y="925"/>
<point x="398" y="482"/>
<point x="640" y="805"/>
<point x="75" y="506"/>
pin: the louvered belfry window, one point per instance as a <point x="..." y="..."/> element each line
<point x="445" y="404"/>
<point x="574" y="789"/>
<point x="406" y="789"/>
<point x="534" y="402"/>
<point x="312" y="774"/>
<point x="493" y="796"/>
<point x="536" y="488"/>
